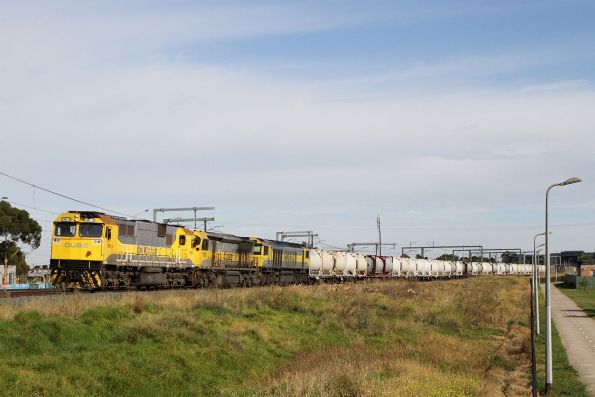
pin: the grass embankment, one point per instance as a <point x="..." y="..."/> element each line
<point x="583" y="297"/>
<point x="442" y="338"/>
<point x="566" y="380"/>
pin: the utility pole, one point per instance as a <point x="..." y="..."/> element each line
<point x="379" y="246"/>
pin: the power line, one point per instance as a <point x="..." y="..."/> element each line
<point x="64" y="196"/>
<point x="33" y="208"/>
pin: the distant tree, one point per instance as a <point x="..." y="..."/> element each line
<point x="405" y="256"/>
<point x="17" y="229"/>
<point x="510" y="257"/>
<point x="586" y="260"/>
<point x="448" y="257"/>
<point x="418" y="256"/>
<point x="15" y="257"/>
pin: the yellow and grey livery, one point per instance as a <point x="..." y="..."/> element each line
<point x="92" y="250"/>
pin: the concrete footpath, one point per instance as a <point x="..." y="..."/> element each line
<point x="577" y="331"/>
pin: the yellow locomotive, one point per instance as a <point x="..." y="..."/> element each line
<point x="92" y="250"/>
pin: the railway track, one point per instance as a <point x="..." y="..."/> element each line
<point x="15" y="293"/>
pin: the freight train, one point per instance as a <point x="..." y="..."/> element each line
<point x="96" y="251"/>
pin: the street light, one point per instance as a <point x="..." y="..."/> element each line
<point x="548" y="300"/>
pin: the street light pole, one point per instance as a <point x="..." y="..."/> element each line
<point x="535" y="283"/>
<point x="538" y="253"/>
<point x="548" y="300"/>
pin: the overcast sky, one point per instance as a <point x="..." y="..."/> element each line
<point x="447" y="119"/>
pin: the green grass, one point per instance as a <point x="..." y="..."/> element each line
<point x="439" y="338"/>
<point x="565" y="378"/>
<point x="583" y="297"/>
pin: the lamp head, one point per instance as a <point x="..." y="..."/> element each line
<point x="570" y="181"/>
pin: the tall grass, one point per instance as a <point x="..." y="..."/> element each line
<point x="443" y="338"/>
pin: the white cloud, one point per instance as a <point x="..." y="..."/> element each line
<point x="272" y="153"/>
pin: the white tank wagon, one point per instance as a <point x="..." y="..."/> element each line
<point x="475" y="268"/>
<point x="350" y="264"/>
<point x="388" y="265"/>
<point x="375" y="265"/>
<point x="486" y="268"/>
<point x="397" y="266"/>
<point x="493" y="267"/>
<point x="322" y="263"/>
<point x="448" y="268"/>
<point x="424" y="268"/>
<point x="340" y="263"/>
<point x="459" y="268"/>
<point x="315" y="269"/>
<point x="435" y="270"/>
<point x="414" y="268"/>
<point x="445" y="268"/>
<point x="408" y="267"/>
<point x="361" y="266"/>
<point x="521" y="270"/>
<point x="370" y="264"/>
<point x="501" y="269"/>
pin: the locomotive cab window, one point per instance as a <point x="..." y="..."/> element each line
<point x="182" y="240"/>
<point x="266" y="250"/>
<point x="196" y="243"/>
<point x="65" y="229"/>
<point x="257" y="249"/>
<point x="90" y="230"/>
<point x="205" y="244"/>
